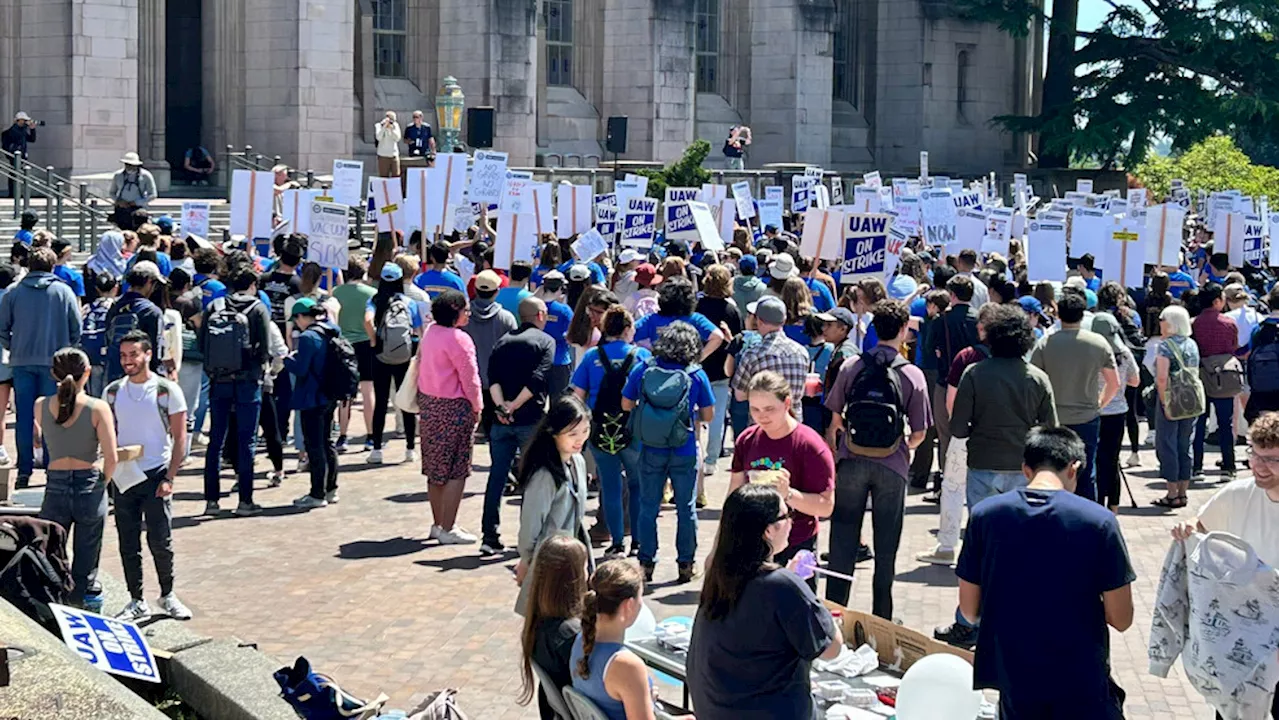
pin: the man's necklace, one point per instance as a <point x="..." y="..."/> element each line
<point x="128" y="391"/>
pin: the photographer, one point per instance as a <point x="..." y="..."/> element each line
<point x="420" y="140"/>
<point x="387" y="134"/>
<point x="735" y="147"/>
<point x="16" y="138"/>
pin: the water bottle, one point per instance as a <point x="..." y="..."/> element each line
<point x="93" y="602"/>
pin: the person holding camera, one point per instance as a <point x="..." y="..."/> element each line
<point x="387" y="134"/>
<point x="735" y="147"/>
<point x="16" y="138"/>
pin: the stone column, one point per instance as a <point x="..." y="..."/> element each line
<point x="790" y="102"/>
<point x="223" y="72"/>
<point x="151" y="89"/>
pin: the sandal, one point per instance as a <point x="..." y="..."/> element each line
<point x="1169" y="502"/>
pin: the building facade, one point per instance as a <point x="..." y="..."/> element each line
<point x="846" y="84"/>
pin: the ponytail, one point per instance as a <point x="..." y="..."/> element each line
<point x="69" y="365"/>
<point x="66" y="398"/>
<point x="590" y="609"/>
<point x="613" y="583"/>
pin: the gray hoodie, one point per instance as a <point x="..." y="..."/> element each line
<point x="489" y="321"/>
<point x="747" y="289"/>
<point x="37" y="318"/>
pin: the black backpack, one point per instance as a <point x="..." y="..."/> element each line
<point x="1264" y="361"/>
<point x="610" y="424"/>
<point x="228" y="341"/>
<point x="340" y="379"/>
<point x="874" y="411"/>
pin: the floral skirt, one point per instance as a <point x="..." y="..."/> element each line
<point x="446" y="429"/>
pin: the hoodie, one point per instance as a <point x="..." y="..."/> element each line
<point x="50" y="319"/>
<point x="746" y="290"/>
<point x="489" y="321"/>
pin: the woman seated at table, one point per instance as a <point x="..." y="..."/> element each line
<point x="551" y="620"/>
<point x="611" y="676"/>
<point x="758" y="625"/>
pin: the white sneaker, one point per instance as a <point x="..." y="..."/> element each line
<point x="172" y="605"/>
<point x="303" y="465"/>
<point x="135" y="610"/>
<point x="434" y="534"/>
<point x="4" y="456"/>
<point x="375" y="457"/>
<point x="306" y="502"/>
<point x="200" y="440"/>
<point x="456" y="536"/>
<point x="331" y="497"/>
<point x="274" y="479"/>
<point x="937" y="556"/>
<point x="410" y="456"/>
<point x="1133" y="461"/>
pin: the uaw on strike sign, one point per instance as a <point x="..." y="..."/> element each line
<point x="108" y="644"/>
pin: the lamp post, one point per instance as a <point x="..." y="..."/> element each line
<point x="449" y="104"/>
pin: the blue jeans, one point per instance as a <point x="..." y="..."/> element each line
<point x="29" y="383"/>
<point x="656" y="466"/>
<point x="715" y="434"/>
<point x="244" y="397"/>
<point x="739" y="415"/>
<point x="1088" y="432"/>
<point x="982" y="484"/>
<point x="504" y="442"/>
<point x="1173" y="446"/>
<point x="610" y="468"/>
<point x="202" y="406"/>
<point x="97" y="381"/>
<point x="78" y="499"/>
<point x="1225" y="409"/>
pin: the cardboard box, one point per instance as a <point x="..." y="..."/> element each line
<point x="898" y="647"/>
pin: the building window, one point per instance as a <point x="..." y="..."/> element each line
<point x="962" y="82"/>
<point x="559" y="42"/>
<point x="706" y="14"/>
<point x="389" y="34"/>
<point x="845" y="65"/>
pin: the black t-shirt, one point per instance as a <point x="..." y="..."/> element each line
<point x="552" y="646"/>
<point x="755" y="662"/>
<point x="719" y="310"/>
<point x="279" y="286"/>
<point x="522" y="359"/>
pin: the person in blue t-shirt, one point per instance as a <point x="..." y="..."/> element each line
<point x="598" y="275"/>
<point x="676" y="301"/>
<point x="208" y="267"/>
<point x="1070" y="564"/>
<point x="26" y="233"/>
<point x="678" y="347"/>
<point x="1180" y="282"/>
<point x="517" y="289"/>
<point x="559" y="315"/>
<point x="1085" y="266"/>
<point x="439" y="278"/>
<point x="65" y="272"/>
<point x="549" y="260"/>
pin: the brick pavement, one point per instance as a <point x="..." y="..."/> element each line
<point x="359" y="590"/>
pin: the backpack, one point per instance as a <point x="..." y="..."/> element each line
<point x="340" y="379"/>
<point x="875" y="416"/>
<point x="1264" y="362"/>
<point x="661" y="418"/>
<point x="228" y="341"/>
<point x="1222" y="375"/>
<point x="395" y="332"/>
<point x="1184" y="393"/>
<point x="610" y="424"/>
<point x="118" y="325"/>
<point x="314" y="696"/>
<point x="36" y="572"/>
<point x="112" y="391"/>
<point x="93" y="331"/>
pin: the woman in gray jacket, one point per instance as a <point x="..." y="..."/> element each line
<point x="553" y="476"/>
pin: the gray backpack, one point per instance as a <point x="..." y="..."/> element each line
<point x="395" y="332"/>
<point x="661" y="419"/>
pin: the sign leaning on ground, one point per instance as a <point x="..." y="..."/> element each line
<point x="110" y="645"/>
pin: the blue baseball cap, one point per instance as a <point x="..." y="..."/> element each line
<point x="748" y="265"/>
<point x="391" y="272"/>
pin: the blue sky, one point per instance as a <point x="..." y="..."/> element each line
<point x="1091" y="14"/>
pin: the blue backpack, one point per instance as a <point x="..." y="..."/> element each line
<point x="314" y="696"/>
<point x="93" y="331"/>
<point x="1264" y="359"/>
<point x="662" y="418"/>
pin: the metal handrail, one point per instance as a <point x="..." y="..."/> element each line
<point x="25" y="169"/>
<point x="56" y="190"/>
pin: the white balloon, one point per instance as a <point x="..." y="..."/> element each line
<point x="643" y="626"/>
<point x="938" y="687"/>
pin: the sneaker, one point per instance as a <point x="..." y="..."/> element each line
<point x="687" y="572"/>
<point x="635" y="549"/>
<point x="647" y="567"/>
<point x="306" y="502"/>
<point x="456" y="536"/>
<point x="135" y="610"/>
<point x="275" y="478"/>
<point x="4" y="456"/>
<point x="1197" y="476"/>
<point x="410" y="456"/>
<point x="375" y="457"/>
<point x="933" y="497"/>
<point x="245" y="509"/>
<point x="492" y="547"/>
<point x="937" y="556"/>
<point x="434" y="533"/>
<point x="599" y="534"/>
<point x="368" y="444"/>
<point x="172" y="605"/>
<point x="1133" y="460"/>
<point x="341" y="445"/>
<point x="864" y="554"/>
<point x="212" y="508"/>
<point x="958" y="635"/>
<point x="200" y="440"/>
<point x="331" y="497"/>
<point x="701" y="500"/>
<point x="1227" y="476"/>
<point x="616" y="550"/>
<point x="22" y="482"/>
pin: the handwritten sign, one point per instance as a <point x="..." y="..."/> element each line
<point x="348" y="181"/>
<point x="893" y="251"/>
<point x="906" y="212"/>
<point x="742" y="197"/>
<point x="938" y="216"/>
<point x="866" y="237"/>
<point x="1046" y="251"/>
<point x="111" y="645"/>
<point x="488" y="177"/>
<point x="639" y="224"/>
<point x="195" y="218"/>
<point x="589" y="245"/>
<point x="513" y="194"/>
<point x="327" y="235"/>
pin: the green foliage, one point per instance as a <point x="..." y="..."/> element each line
<point x="1214" y="164"/>
<point x="685" y="172"/>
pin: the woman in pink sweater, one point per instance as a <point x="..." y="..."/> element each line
<point x="448" y="409"/>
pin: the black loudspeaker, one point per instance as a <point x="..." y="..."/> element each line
<point x="615" y="139"/>
<point x="479" y="127"/>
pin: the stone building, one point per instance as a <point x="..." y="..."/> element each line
<point x="847" y="84"/>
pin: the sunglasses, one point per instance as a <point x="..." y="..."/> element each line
<point x="788" y="515"/>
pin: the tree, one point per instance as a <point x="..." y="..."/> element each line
<point x="685" y="172"/>
<point x="1185" y="69"/>
<point x="1211" y="165"/>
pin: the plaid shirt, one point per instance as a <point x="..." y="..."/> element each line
<point x="781" y="354"/>
<point x="1214" y="333"/>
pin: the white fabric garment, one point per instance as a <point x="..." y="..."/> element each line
<point x="1218" y="605"/>
<point x="955" y="474"/>
<point x="1246" y="319"/>
<point x="388" y="139"/>
<point x="1244" y="510"/>
<point x="138" y="417"/>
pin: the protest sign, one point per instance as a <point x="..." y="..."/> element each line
<point x="967" y="200"/>
<point x="639" y="223"/>
<point x="886" y="199"/>
<point x="774" y="192"/>
<point x="627" y="189"/>
<point x="938" y="216"/>
<point x="370" y="213"/>
<point x="1000" y="223"/>
<point x="327" y="231"/>
<point x="813" y="171"/>
<point x="907" y="212"/>
<point x="957" y="186"/>
<point x="1254" y="252"/>
<point x="1019" y="183"/>
<point x="1089" y="232"/>
<point x="513" y="194"/>
<point x="872" y="179"/>
<point x="488" y="177"/>
<point x="893" y="251"/>
<point x="516" y="239"/>
<point x="348" y="181"/>
<point x="607" y="222"/>
<point x="463" y="215"/>
<point x="924" y="166"/>
<point x="573" y="209"/>
<point x="416" y="201"/>
<point x="969" y="230"/>
<point x="389" y="204"/>
<point x="677" y="219"/>
<point x="1219" y="204"/>
<point x="770" y="213"/>
<point x="446" y="184"/>
<point x="712" y="194"/>
<point x="640" y="180"/>
<point x="724" y="211"/>
<point x="537" y="200"/>
<point x="295" y="207"/>
<point x="1164" y="233"/>
<point x="742" y="197"/>
<point x="801" y="188"/>
<point x="837" y="191"/>
<point x="1228" y="236"/>
<point x="1273" y="252"/>
<point x="1181" y="196"/>
<point x="821" y="198"/>
<point x="589" y="245"/>
<point x="1084" y="185"/>
<point x="252" y="193"/>
<point x="705" y="226"/>
<point x="114" y="646"/>
<point x="1137" y="198"/>
<point x="865" y="240"/>
<point x="866" y="199"/>
<point x="1124" y="255"/>
<point x="1046" y="251"/>
<point x="195" y="218"/>
<point x="899" y="189"/>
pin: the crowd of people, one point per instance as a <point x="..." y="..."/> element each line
<point x="624" y="374"/>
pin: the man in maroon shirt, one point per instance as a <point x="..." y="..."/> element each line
<point x="1216" y="335"/>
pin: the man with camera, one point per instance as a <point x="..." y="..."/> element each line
<point x="735" y="147"/>
<point x="17" y="136"/>
<point x="387" y="134"/>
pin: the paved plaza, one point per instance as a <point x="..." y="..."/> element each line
<point x="360" y="591"/>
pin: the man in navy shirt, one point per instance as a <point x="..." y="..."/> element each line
<point x="419" y="138"/>
<point x="1042" y="557"/>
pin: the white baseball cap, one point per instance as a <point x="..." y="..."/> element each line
<point x="22" y="116"/>
<point x="629" y="255"/>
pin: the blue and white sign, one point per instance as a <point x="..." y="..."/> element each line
<point x="866" y="238"/>
<point x="639" y="224"/>
<point x="677" y="217"/>
<point x="110" y="645"/>
<point x="801" y="187"/>
<point x="1254" y="252"/>
<point x="773" y="192"/>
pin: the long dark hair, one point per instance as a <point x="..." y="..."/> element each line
<point x="69" y="365"/>
<point x="387" y="289"/>
<point x="557" y="585"/>
<point x="741" y="551"/>
<point x="595" y="296"/>
<point x="613" y="583"/>
<point x="540" y="453"/>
